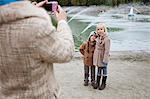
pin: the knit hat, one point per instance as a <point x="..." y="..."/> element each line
<point x="92" y="33"/>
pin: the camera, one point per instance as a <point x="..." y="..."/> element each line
<point x="51" y="6"/>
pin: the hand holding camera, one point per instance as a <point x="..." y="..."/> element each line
<point x="61" y="14"/>
<point x="54" y="7"/>
<point x="58" y="11"/>
<point x="51" y="6"/>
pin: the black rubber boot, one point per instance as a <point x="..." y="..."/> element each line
<point x="92" y="75"/>
<point x="96" y="85"/>
<point x="86" y="81"/>
<point x="86" y="75"/>
<point x="103" y="85"/>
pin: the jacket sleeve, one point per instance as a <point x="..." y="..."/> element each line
<point x="82" y="48"/>
<point x="107" y="50"/>
<point x="55" y="45"/>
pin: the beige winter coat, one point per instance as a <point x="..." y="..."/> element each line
<point x="101" y="52"/>
<point x="29" y="45"/>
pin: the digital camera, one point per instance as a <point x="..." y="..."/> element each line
<point x="51" y="6"/>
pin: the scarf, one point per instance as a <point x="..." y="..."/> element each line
<point x="101" y="39"/>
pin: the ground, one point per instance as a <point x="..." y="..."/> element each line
<point x="129" y="78"/>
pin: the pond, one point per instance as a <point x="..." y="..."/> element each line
<point x="127" y="34"/>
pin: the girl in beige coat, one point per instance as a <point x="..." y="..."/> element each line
<point x="101" y="55"/>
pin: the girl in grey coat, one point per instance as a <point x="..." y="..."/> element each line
<point x="101" y="55"/>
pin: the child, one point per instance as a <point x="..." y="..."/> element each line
<point x="101" y="55"/>
<point x="87" y="50"/>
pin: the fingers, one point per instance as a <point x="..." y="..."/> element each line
<point x="40" y="4"/>
<point x="34" y="3"/>
<point x="60" y="14"/>
<point x="59" y="9"/>
<point x="46" y="1"/>
<point x="56" y="13"/>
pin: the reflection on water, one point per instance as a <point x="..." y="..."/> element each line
<point x="126" y="34"/>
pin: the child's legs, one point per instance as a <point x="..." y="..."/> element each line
<point x="99" y="71"/>
<point x="92" y="73"/>
<point x="104" y="69"/>
<point x="104" y="77"/>
<point x="86" y="72"/>
<point x="98" y="77"/>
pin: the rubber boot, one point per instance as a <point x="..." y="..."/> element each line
<point x="86" y="75"/>
<point x="86" y="81"/>
<point x="92" y="75"/>
<point x="103" y="85"/>
<point x="96" y="85"/>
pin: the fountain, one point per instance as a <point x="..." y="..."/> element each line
<point x="130" y="37"/>
<point x="75" y="9"/>
<point x="78" y="14"/>
<point x="96" y="20"/>
<point x="131" y="12"/>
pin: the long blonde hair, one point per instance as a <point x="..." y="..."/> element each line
<point x="104" y="25"/>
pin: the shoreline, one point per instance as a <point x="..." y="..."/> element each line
<point x="123" y="55"/>
<point x="123" y="8"/>
<point x="115" y="18"/>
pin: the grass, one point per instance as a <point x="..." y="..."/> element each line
<point x="116" y="16"/>
<point x="112" y="29"/>
<point x="142" y="20"/>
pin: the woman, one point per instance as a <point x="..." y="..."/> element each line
<point x="29" y="45"/>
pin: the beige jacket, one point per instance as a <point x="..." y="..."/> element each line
<point x="101" y="52"/>
<point x="29" y="45"/>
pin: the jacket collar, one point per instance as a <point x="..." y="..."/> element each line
<point x="20" y="10"/>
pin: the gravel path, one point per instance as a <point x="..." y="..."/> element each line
<point x="129" y="78"/>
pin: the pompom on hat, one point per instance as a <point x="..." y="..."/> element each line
<point x="92" y="33"/>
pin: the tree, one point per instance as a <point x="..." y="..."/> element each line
<point x="63" y="2"/>
<point x="75" y="2"/>
<point x="146" y="1"/>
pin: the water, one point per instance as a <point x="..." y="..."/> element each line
<point x="134" y="36"/>
<point x="75" y="15"/>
